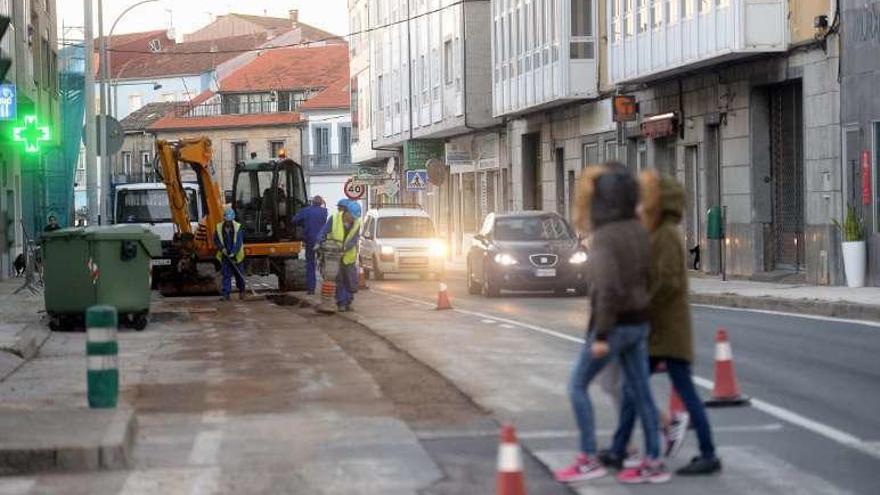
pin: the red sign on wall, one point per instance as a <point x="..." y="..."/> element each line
<point x="866" y="177"/>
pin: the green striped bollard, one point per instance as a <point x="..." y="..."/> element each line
<point x="102" y="354"/>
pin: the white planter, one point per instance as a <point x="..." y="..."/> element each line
<point x="854" y="259"/>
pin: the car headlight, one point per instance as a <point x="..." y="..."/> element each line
<point x="437" y="248"/>
<point x="386" y="250"/>
<point x="578" y="258"/>
<point x="505" y="259"/>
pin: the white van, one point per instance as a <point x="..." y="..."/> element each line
<point x="146" y="204"/>
<point x="400" y="239"/>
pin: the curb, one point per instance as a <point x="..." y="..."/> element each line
<point x="27" y="344"/>
<point x="836" y="309"/>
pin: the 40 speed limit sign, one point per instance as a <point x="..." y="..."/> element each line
<point x="354" y="190"/>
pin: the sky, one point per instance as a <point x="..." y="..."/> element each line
<point x="189" y="15"/>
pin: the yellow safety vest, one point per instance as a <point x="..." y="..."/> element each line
<point x="337" y="233"/>
<point x="218" y="233"/>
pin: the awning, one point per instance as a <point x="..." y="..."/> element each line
<point x="659" y="126"/>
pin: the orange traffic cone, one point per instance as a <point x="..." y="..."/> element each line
<point x="443" y="298"/>
<point x="362" y="279"/>
<point x="726" y="390"/>
<point x="511" y="480"/>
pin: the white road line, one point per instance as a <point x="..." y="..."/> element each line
<point x="873" y="324"/>
<point x="488" y="322"/>
<point x="507" y="325"/>
<point x="206" y="448"/>
<point x="829" y="432"/>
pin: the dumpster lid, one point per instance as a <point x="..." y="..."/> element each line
<point x="147" y="239"/>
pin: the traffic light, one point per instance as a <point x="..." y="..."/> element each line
<point x="5" y="61"/>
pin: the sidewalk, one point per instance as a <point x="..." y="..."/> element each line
<point x="844" y="302"/>
<point x="21" y="329"/>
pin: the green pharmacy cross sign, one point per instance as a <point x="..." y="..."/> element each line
<point x="31" y="134"/>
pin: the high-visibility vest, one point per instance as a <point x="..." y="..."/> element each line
<point x="337" y="233"/>
<point x="218" y="234"/>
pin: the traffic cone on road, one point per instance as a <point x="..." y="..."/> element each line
<point x="726" y="390"/>
<point x="443" y="298"/>
<point x="511" y="480"/>
<point x="362" y="279"/>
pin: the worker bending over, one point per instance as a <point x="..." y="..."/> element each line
<point x="344" y="227"/>
<point x="312" y="218"/>
<point x="229" y="239"/>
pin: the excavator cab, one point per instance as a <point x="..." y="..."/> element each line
<point x="266" y="196"/>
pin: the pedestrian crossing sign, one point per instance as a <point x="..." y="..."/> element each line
<point x="416" y="180"/>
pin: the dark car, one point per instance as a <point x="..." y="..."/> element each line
<point x="526" y="251"/>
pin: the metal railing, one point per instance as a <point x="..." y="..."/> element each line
<point x="215" y="108"/>
<point x="135" y="178"/>
<point x="329" y="163"/>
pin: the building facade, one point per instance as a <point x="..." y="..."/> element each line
<point x="31" y="43"/>
<point x="860" y="118"/>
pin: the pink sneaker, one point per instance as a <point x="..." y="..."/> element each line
<point x="582" y="469"/>
<point x="649" y="472"/>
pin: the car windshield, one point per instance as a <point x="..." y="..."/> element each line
<point x="405" y="227"/>
<point x="149" y="206"/>
<point x="537" y="228"/>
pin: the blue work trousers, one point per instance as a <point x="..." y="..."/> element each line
<point x="344" y="288"/>
<point x="311" y="268"/>
<point x="680" y="375"/>
<point x="628" y="344"/>
<point x="228" y="271"/>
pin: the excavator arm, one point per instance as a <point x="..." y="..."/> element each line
<point x="197" y="153"/>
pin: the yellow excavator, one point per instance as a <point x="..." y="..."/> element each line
<point x="265" y="196"/>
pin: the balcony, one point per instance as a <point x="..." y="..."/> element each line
<point x="658" y="38"/>
<point x="329" y="164"/>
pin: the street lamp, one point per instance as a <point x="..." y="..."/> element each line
<point x="106" y="54"/>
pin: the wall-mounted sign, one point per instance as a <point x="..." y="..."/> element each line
<point x="353" y="190"/>
<point x="625" y="108"/>
<point x="416" y="153"/>
<point x="8" y="102"/>
<point x="866" y="177"/>
<point x="658" y="126"/>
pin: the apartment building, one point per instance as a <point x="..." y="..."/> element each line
<point x="740" y="100"/>
<point x="31" y="43"/>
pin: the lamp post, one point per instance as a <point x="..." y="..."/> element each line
<point x="112" y="29"/>
<point x="104" y="90"/>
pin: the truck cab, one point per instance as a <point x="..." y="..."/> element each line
<point x="146" y="204"/>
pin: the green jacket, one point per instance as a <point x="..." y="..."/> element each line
<point x="671" y="332"/>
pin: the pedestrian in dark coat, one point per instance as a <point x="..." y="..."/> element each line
<point x="671" y="345"/>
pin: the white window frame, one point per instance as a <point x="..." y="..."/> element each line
<point x="126" y="163"/>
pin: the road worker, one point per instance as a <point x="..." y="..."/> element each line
<point x="312" y="218"/>
<point x="229" y="239"/>
<point x="344" y="227"/>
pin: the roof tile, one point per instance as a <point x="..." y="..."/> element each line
<point x="290" y="68"/>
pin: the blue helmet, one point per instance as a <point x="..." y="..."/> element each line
<point x="342" y="203"/>
<point x="354" y="208"/>
<point x="229" y="214"/>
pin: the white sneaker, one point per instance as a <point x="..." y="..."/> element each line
<point x="676" y="434"/>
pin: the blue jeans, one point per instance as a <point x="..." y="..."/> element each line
<point x="344" y="290"/>
<point x="680" y="374"/>
<point x="628" y="344"/>
<point x="311" y="268"/>
<point x="228" y="272"/>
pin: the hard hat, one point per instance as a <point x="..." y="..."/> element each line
<point x="342" y="203"/>
<point x="354" y="208"/>
<point x="229" y="213"/>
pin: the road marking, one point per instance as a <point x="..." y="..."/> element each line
<point x="557" y="434"/>
<point x="206" y="448"/>
<point x="873" y="324"/>
<point x="821" y="429"/>
<point x="488" y="322"/>
<point x="507" y="325"/>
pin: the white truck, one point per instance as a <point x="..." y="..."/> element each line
<point x="146" y="204"/>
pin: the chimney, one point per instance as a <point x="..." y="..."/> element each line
<point x="294" y="16"/>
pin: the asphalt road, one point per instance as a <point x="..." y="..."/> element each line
<point x="818" y="377"/>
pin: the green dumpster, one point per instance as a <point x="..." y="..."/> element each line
<point x="84" y="267"/>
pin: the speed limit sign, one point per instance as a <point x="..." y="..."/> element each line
<point x="354" y="190"/>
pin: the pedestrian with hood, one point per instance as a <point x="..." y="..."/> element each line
<point x="618" y="327"/>
<point x="671" y="343"/>
<point x="312" y="218"/>
<point x="229" y="239"/>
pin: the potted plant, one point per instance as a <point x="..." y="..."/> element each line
<point x="853" y="246"/>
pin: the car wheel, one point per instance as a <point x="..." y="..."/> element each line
<point x="377" y="273"/>
<point x="473" y="287"/>
<point x="489" y="289"/>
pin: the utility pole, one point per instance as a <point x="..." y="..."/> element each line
<point x="102" y="148"/>
<point x="91" y="161"/>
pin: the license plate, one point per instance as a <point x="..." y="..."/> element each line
<point x="160" y="262"/>
<point x="545" y="272"/>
